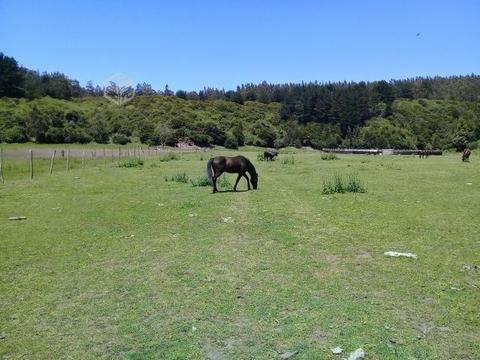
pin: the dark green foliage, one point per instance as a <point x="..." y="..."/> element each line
<point x="442" y="112"/>
<point x="237" y="132"/>
<point x="120" y="139"/>
<point x="231" y="142"/>
<point x="11" y="77"/>
<point x="339" y="184"/>
<point x="385" y="134"/>
<point x="99" y="130"/>
<point x="14" y="134"/>
<point x="265" y="132"/>
<point x="131" y="163"/>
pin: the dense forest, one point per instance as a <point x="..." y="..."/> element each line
<point x="424" y="112"/>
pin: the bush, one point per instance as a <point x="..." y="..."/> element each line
<point x="55" y="135"/>
<point x="179" y="177"/>
<point x="385" y="134"/>
<point x="339" y="184"/>
<point x="231" y="142"/>
<point x="120" y="139"/>
<point x="200" y="181"/>
<point x="14" y="135"/>
<point x="329" y="156"/>
<point x="474" y="145"/>
<point x="260" y="157"/>
<point x="130" y="163"/>
<point x="74" y="134"/>
<point x="279" y="143"/>
<point x="254" y="140"/>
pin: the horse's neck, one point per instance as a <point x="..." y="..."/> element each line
<point x="251" y="169"/>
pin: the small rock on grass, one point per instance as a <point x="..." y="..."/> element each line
<point x="470" y="267"/>
<point x="17" y="218"/>
<point x="357" y="354"/>
<point x="288" y="355"/>
<point x="337" y="350"/>
<point x="400" y="254"/>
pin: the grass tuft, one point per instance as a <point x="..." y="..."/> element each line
<point x="329" y="156"/>
<point x="339" y="184"/>
<point x="179" y="177"/>
<point x="223" y="183"/>
<point x="131" y="163"/>
<point x="169" y="157"/>
<point x="289" y="160"/>
<point x="200" y="181"/>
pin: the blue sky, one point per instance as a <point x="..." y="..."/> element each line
<point x="191" y="44"/>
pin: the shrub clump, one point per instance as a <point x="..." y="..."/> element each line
<point x="179" y="177"/>
<point x="339" y="184"/>
<point x="231" y="142"/>
<point x="329" y="156"/>
<point x="200" y="181"/>
<point x="131" y="163"/>
<point x="120" y="139"/>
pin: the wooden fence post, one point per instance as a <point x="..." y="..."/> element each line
<point x="83" y="158"/>
<point x="104" y="158"/>
<point x="1" y="166"/>
<point x="68" y="160"/>
<point x="51" y="161"/>
<point x="31" y="163"/>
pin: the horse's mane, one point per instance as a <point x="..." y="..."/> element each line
<point x="251" y="168"/>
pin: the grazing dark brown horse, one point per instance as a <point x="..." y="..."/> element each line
<point x="466" y="155"/>
<point x="237" y="164"/>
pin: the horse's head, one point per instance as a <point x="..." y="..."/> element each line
<point x="254" y="180"/>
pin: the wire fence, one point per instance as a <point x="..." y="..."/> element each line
<point x="24" y="164"/>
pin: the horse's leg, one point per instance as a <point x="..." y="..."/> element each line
<point x="216" y="175"/>
<point x="236" y="182"/>
<point x="248" y="181"/>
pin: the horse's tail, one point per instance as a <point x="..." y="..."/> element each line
<point x="210" y="171"/>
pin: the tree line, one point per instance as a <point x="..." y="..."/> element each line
<point x="421" y="112"/>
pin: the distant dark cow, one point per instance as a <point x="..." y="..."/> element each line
<point x="466" y="155"/>
<point x="425" y="153"/>
<point x="269" y="155"/>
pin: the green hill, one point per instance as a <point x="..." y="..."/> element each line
<point x="165" y="119"/>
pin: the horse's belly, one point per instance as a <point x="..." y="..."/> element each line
<point x="232" y="171"/>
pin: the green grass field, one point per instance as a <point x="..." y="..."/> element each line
<point x="119" y="263"/>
